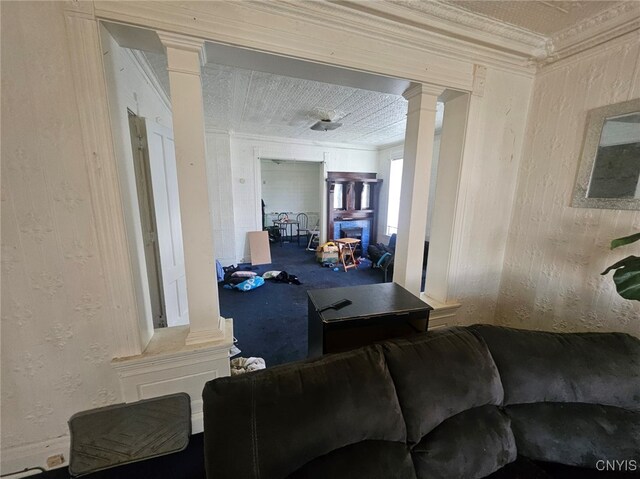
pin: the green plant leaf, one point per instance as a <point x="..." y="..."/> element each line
<point x="627" y="277"/>
<point x="626" y="240"/>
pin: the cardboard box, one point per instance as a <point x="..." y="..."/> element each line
<point x="327" y="253"/>
<point x="329" y="257"/>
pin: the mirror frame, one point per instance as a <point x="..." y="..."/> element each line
<point x="593" y="130"/>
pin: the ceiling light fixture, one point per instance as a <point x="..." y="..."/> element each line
<point x="325" y="125"/>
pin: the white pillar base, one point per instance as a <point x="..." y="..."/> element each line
<point x="207" y="335"/>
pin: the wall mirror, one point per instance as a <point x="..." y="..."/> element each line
<point x="609" y="172"/>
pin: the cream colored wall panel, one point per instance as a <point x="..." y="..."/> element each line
<point x="490" y="163"/>
<point x="56" y="318"/>
<point x="555" y="254"/>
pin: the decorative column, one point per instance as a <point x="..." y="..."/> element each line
<point x="185" y="57"/>
<point x="414" y="196"/>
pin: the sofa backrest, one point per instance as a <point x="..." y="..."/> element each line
<point x="462" y="401"/>
<point x="449" y="390"/>
<point x="572" y="398"/>
<point x="270" y="423"/>
<point x="538" y="366"/>
<point x="441" y="374"/>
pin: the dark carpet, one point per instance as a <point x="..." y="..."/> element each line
<point x="271" y="321"/>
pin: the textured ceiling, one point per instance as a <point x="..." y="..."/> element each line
<point x="245" y="101"/>
<point x="542" y="17"/>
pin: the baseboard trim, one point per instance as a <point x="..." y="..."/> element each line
<point x="17" y="459"/>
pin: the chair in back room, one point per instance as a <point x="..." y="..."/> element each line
<point x="303" y="226"/>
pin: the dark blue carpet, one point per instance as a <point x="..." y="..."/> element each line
<point x="271" y="322"/>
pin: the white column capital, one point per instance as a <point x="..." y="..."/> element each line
<point x="184" y="43"/>
<point x="422" y="89"/>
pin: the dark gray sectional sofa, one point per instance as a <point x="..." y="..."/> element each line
<point x="454" y="403"/>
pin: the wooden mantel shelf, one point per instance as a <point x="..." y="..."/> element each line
<point x="349" y="200"/>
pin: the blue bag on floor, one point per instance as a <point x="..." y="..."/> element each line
<point x="219" y="271"/>
<point x="249" y="284"/>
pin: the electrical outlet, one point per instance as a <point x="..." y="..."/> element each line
<point x="55" y="461"/>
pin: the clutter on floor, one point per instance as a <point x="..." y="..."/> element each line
<point x="246" y="280"/>
<point x="284" y="277"/>
<point x="327" y="252"/>
<point x="245" y="365"/>
<point x="271" y="321"/>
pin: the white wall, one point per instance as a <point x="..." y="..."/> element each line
<point x="556" y="253"/>
<point x="57" y="339"/>
<point x="245" y="165"/>
<point x="291" y="186"/>
<point x="129" y="88"/>
<point x="221" y="200"/>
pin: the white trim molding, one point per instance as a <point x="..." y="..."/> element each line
<point x="18" y="458"/>
<point x="350" y="39"/>
<point x="437" y="17"/>
<point x="443" y="314"/>
<point x="442" y="39"/>
<point x="168" y="366"/>
<point x="622" y="18"/>
<point x="93" y="110"/>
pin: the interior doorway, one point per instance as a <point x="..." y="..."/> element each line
<point x="292" y="187"/>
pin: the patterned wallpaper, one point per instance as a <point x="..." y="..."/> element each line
<point x="555" y="253"/>
<point x="55" y="316"/>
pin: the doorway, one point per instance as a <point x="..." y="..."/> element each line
<point x="292" y="187"/>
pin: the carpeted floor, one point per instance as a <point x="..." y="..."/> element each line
<point x="271" y="322"/>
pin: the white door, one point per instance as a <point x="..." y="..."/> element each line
<point x="164" y="180"/>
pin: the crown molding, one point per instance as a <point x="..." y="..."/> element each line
<point x="443" y="34"/>
<point x="397" y="25"/>
<point x="437" y="17"/>
<point x="440" y="17"/>
<point x="608" y="25"/>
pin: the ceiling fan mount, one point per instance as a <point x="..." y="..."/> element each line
<point x="327" y="119"/>
<point x="325" y="125"/>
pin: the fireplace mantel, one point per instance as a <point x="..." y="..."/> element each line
<point x="353" y="198"/>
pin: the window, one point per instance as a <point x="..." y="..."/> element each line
<point x="393" y="207"/>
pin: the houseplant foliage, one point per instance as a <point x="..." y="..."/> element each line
<point x="627" y="271"/>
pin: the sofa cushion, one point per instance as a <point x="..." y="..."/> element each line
<point x="440" y="374"/>
<point x="469" y="445"/>
<point x="575" y="434"/>
<point x="538" y="366"/>
<point x="270" y="423"/>
<point x="367" y="459"/>
<point x="521" y="468"/>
